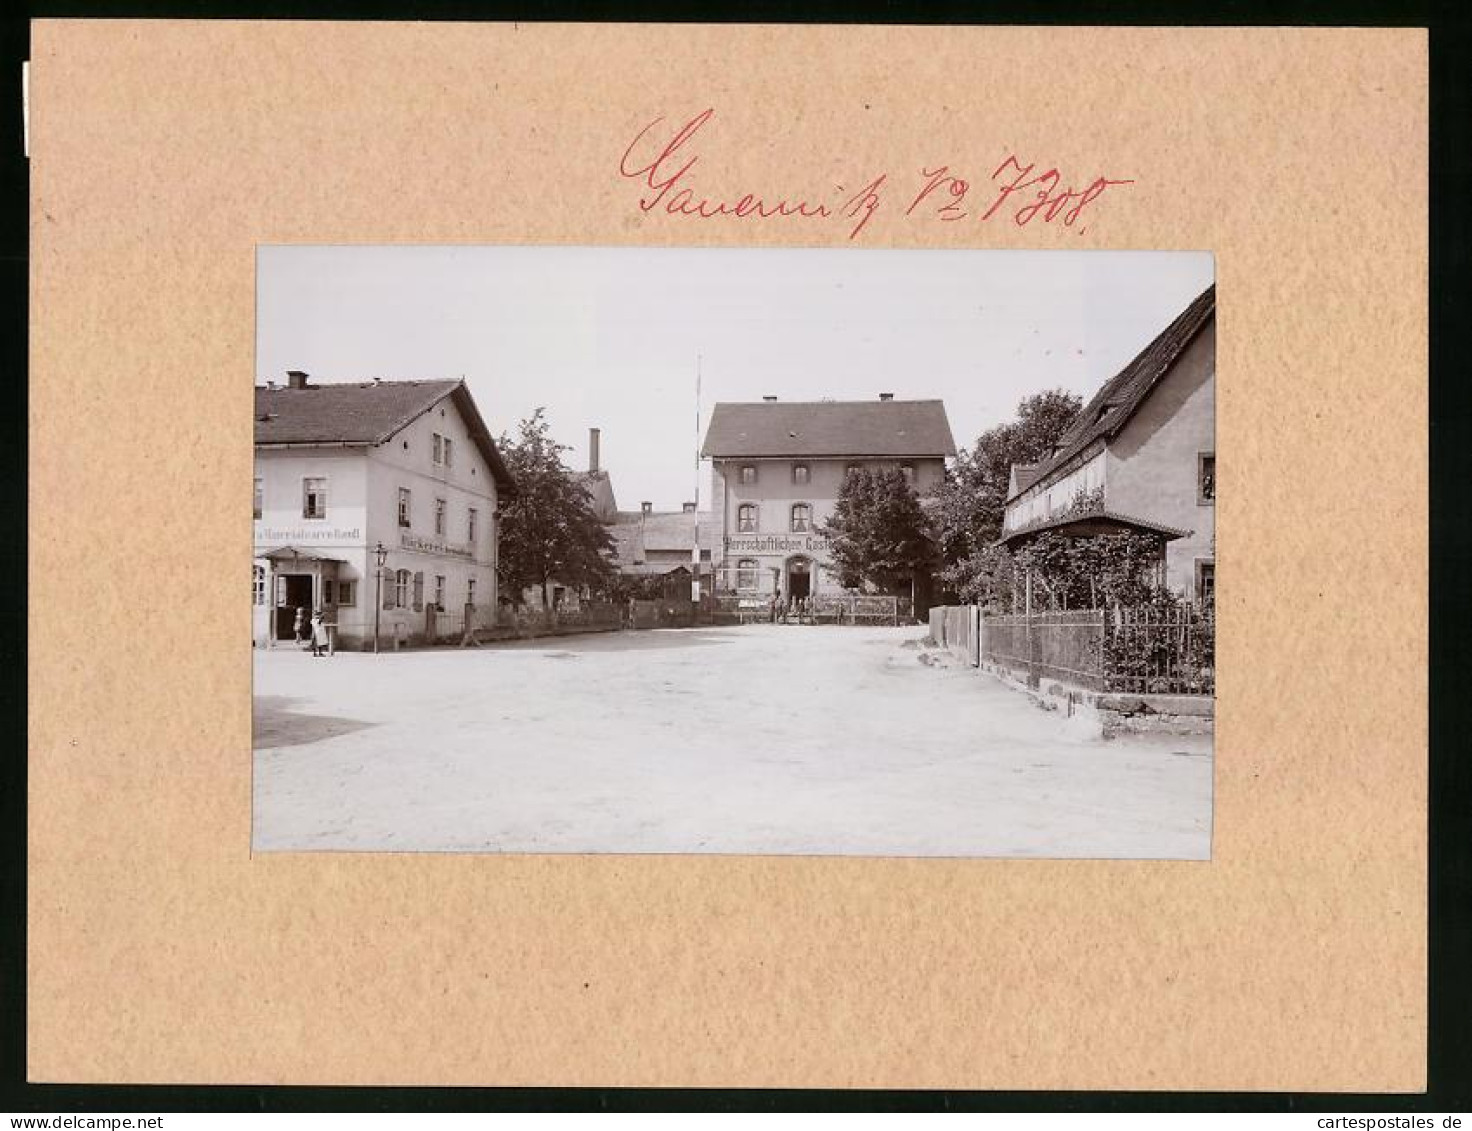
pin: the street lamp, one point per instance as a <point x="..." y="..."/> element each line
<point x="380" y="555"/>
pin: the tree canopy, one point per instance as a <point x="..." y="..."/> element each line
<point x="973" y="498"/>
<point x="549" y="531"/>
<point x="878" y="537"/>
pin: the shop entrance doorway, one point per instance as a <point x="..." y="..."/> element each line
<point x="294" y="591"/>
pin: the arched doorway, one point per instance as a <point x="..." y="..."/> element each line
<point x="799" y="578"/>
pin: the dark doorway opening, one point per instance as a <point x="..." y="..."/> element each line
<point x="294" y="591"/>
<point x="799" y="578"/>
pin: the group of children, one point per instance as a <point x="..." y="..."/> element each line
<point x="313" y="632"/>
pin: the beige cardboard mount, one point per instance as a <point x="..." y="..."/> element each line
<point x="163" y="153"/>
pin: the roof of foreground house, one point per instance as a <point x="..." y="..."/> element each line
<point x="829" y="428"/>
<point x="1111" y="408"/>
<point x="364" y="413"/>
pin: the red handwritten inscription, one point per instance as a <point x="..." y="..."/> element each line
<point x="664" y="163"/>
<point x="665" y="172"/>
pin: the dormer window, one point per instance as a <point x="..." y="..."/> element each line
<point x="748" y="473"/>
<point x="800" y="473"/>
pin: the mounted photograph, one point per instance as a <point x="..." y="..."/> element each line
<point x="734" y="551"/>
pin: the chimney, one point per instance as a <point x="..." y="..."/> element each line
<point x="593" y="435"/>
<point x="768" y="398"/>
<point x="646" y="508"/>
<point x="296" y="379"/>
<point x="886" y="396"/>
<point x="689" y="508"/>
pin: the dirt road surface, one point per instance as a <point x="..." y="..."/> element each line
<point x="762" y="739"/>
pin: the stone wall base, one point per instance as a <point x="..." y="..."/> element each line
<point x="1115" y="711"/>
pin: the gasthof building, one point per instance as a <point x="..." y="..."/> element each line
<point x="348" y="474"/>
<point x="778" y="467"/>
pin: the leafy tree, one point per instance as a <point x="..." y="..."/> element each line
<point x="548" y="529"/>
<point x="878" y="537"/>
<point x="974" y="496"/>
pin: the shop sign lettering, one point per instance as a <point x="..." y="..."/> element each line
<point x="289" y="535"/>
<point x="776" y="544"/>
<point x="425" y="545"/>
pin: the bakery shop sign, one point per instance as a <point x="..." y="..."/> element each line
<point x="777" y="544"/>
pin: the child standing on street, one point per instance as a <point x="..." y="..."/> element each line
<point x="319" y="634"/>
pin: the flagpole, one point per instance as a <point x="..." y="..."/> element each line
<point x="695" y="524"/>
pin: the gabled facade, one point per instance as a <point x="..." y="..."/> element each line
<point x="343" y="469"/>
<point x="1140" y="455"/>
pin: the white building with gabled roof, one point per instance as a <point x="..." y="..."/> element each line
<point x="348" y="473"/>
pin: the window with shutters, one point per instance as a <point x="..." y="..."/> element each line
<point x="314" y="498"/>
<point x="401" y="589"/>
<point x="438" y="449"/>
<point x="449" y="452"/>
<point x="746" y="518"/>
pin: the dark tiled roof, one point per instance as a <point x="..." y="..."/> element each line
<point x="1114" y="404"/>
<point x="1089" y="522"/>
<point x="599" y="487"/>
<point x="366" y="413"/>
<point x="635" y="534"/>
<point x="829" y="428"/>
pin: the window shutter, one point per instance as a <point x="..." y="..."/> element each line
<point x="419" y="592"/>
<point x="388" y="592"/>
<point x="281" y="589"/>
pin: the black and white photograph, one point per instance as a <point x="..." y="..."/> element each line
<point x="775" y="551"/>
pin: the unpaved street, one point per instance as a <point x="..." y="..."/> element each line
<point x="761" y="739"/>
